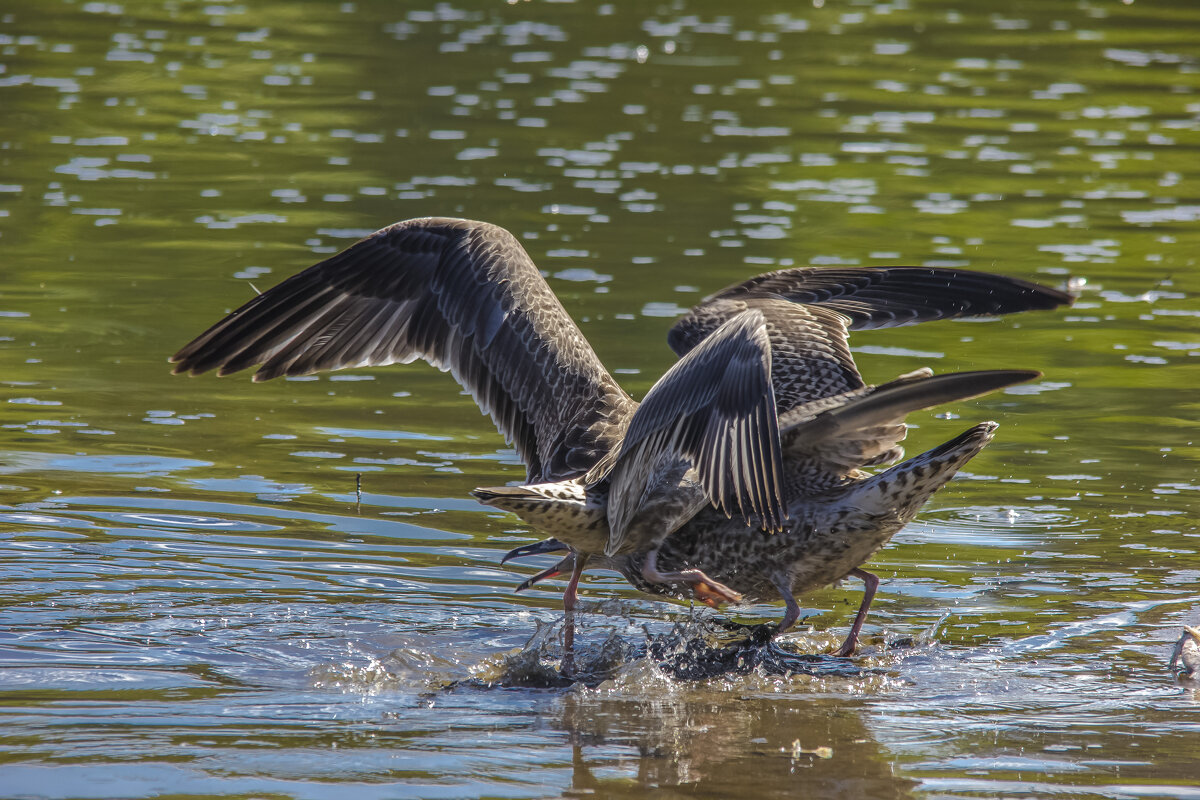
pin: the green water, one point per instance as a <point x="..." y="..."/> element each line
<point x="191" y="604"/>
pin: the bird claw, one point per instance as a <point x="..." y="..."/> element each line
<point x="847" y="649"/>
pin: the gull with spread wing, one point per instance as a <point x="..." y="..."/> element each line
<point x="609" y="477"/>
<point x="466" y="297"/>
<point x="833" y="427"/>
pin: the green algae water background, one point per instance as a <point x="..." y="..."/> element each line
<point x="192" y="603"/>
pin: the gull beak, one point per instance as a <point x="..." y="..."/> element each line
<point x="535" y="549"/>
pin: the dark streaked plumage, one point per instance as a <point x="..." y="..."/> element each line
<point x="811" y="363"/>
<point x="886" y="297"/>
<point x="811" y="309"/>
<point x="714" y="408"/>
<point x="839" y="515"/>
<point x="710" y="417"/>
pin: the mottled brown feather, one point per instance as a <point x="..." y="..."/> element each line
<point x="714" y="408"/>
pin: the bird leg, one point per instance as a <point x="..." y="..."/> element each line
<point x="569" y="597"/>
<point x="870" y="584"/>
<point x="784" y="584"/>
<point x="706" y="590"/>
<point x="572" y="591"/>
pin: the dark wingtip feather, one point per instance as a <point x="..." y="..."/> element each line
<point x="884" y="297"/>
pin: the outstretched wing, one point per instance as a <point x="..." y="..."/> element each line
<point x="826" y="441"/>
<point x="810" y="309"/>
<point x="462" y="295"/>
<point x="885" y="297"/>
<point x="716" y="408"/>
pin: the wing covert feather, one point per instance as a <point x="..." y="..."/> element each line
<point x="809" y="311"/>
<point x="716" y="407"/>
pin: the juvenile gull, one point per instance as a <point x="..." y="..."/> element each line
<point x="465" y="297"/>
<point x="840" y="515"/>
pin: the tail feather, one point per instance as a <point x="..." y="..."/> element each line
<point x="904" y="488"/>
<point x="565" y="509"/>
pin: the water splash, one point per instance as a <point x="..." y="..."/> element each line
<point x="629" y="656"/>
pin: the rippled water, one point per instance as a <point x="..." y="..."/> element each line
<point x="194" y="601"/>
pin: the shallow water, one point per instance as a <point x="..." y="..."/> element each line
<point x="195" y="602"/>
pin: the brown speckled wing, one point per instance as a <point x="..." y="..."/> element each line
<point x="826" y="441"/>
<point x="884" y="297"/>
<point x="810" y="309"/>
<point x="465" y="297"/>
<point x="715" y="407"/>
<point x="810" y="358"/>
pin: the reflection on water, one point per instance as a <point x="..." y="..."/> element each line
<point x="220" y="588"/>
